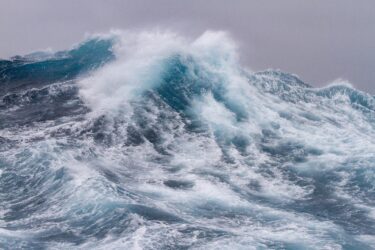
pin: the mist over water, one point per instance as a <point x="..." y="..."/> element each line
<point x="151" y="140"/>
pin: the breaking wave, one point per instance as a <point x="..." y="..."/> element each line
<point x="154" y="141"/>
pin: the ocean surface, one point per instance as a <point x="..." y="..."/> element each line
<point x="150" y="140"/>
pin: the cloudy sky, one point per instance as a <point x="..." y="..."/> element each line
<point x="319" y="40"/>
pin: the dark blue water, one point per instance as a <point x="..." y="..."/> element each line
<point x="149" y="141"/>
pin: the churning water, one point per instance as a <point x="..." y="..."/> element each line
<point x="154" y="141"/>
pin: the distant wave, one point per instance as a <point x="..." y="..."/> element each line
<point x="151" y="140"/>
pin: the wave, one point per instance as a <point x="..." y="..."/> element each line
<point x="155" y="141"/>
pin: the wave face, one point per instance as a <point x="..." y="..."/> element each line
<point x="154" y="141"/>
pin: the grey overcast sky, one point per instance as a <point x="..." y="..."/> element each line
<point x="319" y="40"/>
